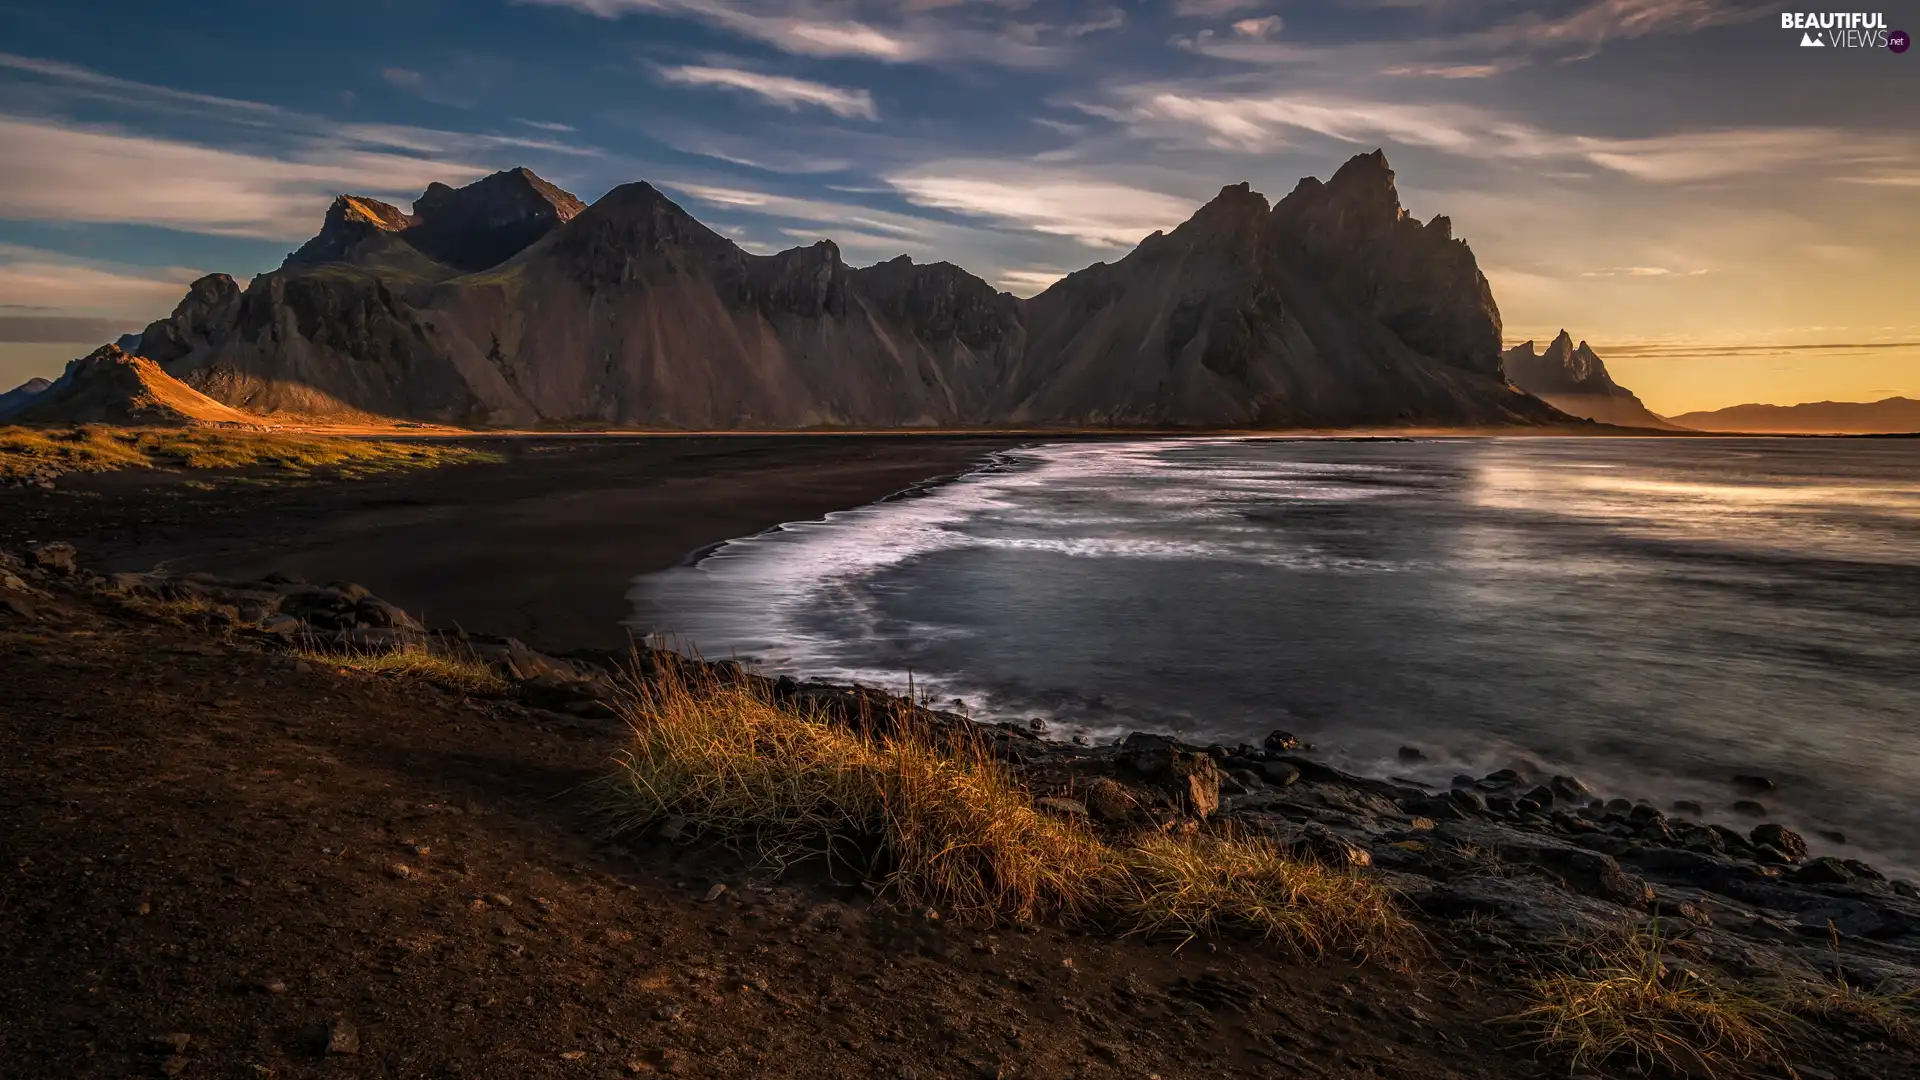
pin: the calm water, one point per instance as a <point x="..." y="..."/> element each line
<point x="1652" y="615"/>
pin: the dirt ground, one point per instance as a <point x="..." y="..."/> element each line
<point x="223" y="862"/>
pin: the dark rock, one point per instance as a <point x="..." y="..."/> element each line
<point x="1825" y="870"/>
<point x="1469" y="800"/>
<point x="1780" y="838"/>
<point x="1751" y="784"/>
<point x="1280" y="773"/>
<point x="1502" y="780"/>
<point x="1280" y="741"/>
<point x="1749" y="808"/>
<point x="1192" y="778"/>
<point x="1578" y="867"/>
<point x="1110" y="801"/>
<point x="1831" y="836"/>
<point x="1321" y="844"/>
<point x="1541" y="796"/>
<point x="1643" y="813"/>
<point x="1689" y="806"/>
<point x="1411" y="753"/>
<point x="1569" y="788"/>
<point x="373" y="611"/>
<point x="1619" y="806"/>
<point x="55" y="558"/>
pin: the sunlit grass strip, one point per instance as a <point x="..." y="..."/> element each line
<point x="952" y="830"/>
<point x="31" y="452"/>
<point x="1617" y="999"/>
<point x="1205" y="885"/>
<point x="464" y="675"/>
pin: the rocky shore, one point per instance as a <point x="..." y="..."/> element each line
<point x="1516" y="863"/>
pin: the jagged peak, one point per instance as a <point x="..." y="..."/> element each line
<point x="360" y="209"/>
<point x="520" y="178"/>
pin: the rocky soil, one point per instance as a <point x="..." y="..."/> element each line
<point x="223" y="860"/>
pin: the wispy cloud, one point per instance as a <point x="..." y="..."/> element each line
<point x="1094" y="212"/>
<point x="788" y="93"/>
<point x="51" y="297"/>
<point x="60" y="172"/>
<point x="891" y="33"/>
<point x="1261" y="123"/>
<point x="1608" y="20"/>
<point x="1029" y="282"/>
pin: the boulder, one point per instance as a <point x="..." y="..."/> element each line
<point x="1780" y="838"/>
<point x="1109" y="801"/>
<point x="55" y="558"/>
<point x="1192" y="778"/>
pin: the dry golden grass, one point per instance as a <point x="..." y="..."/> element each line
<point x="42" y="452"/>
<point x="1894" y="1013"/>
<point x="1618" y="999"/>
<point x="950" y="830"/>
<point x="1195" y="886"/>
<point x="940" y="823"/>
<point x="466" y="675"/>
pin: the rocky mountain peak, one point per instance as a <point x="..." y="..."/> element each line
<point x="350" y="222"/>
<point x="207" y="310"/>
<point x="1419" y="281"/>
<point x="490" y="220"/>
<point x="1563" y="368"/>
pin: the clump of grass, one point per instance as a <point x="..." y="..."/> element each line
<point x="1892" y="1012"/>
<point x="949" y="829"/>
<point x="1617" y="998"/>
<point x="36" y="453"/>
<point x="1201" y="885"/>
<point x="940" y="823"/>
<point x="466" y="675"/>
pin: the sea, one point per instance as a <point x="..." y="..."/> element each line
<point x="1653" y="616"/>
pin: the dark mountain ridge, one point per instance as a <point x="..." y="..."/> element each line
<point x="507" y="302"/>
<point x="1575" y="380"/>
<point x="17" y="398"/>
<point x="1894" y="415"/>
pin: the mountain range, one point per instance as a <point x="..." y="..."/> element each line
<point x="1573" y="379"/>
<point x="1886" y="416"/>
<point x="509" y="302"/>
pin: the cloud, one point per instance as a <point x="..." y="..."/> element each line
<point x="1211" y="8"/>
<point x="780" y="90"/>
<point x="62" y="172"/>
<point x="546" y="125"/>
<point x="1608" y="20"/>
<point x="404" y="78"/>
<point x="1028" y="282"/>
<point x="891" y="33"/>
<point x="1262" y="123"/>
<point x="49" y="295"/>
<point x="1094" y="212"/>
<point x="1264" y="27"/>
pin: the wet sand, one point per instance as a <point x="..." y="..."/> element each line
<point x="541" y="547"/>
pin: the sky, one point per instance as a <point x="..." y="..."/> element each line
<point x="1726" y="215"/>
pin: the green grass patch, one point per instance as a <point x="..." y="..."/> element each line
<point x="33" y="453"/>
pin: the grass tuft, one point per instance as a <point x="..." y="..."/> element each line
<point x="1204" y="885"/>
<point x="1619" y="998"/>
<point x="938" y="822"/>
<point x="465" y="675"/>
<point x="41" y="453"/>
<point x="943" y="826"/>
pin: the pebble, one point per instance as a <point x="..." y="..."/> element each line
<point x="342" y="1038"/>
<point x="177" y="1041"/>
<point x="572" y="1055"/>
<point x="719" y="888"/>
<point x="173" y="1065"/>
<point x="400" y="870"/>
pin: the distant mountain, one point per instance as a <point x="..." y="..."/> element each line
<point x="1574" y="380"/>
<point x="1894" y="415"/>
<point x="507" y="302"/>
<point x="109" y="386"/>
<point x="17" y="398"/>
